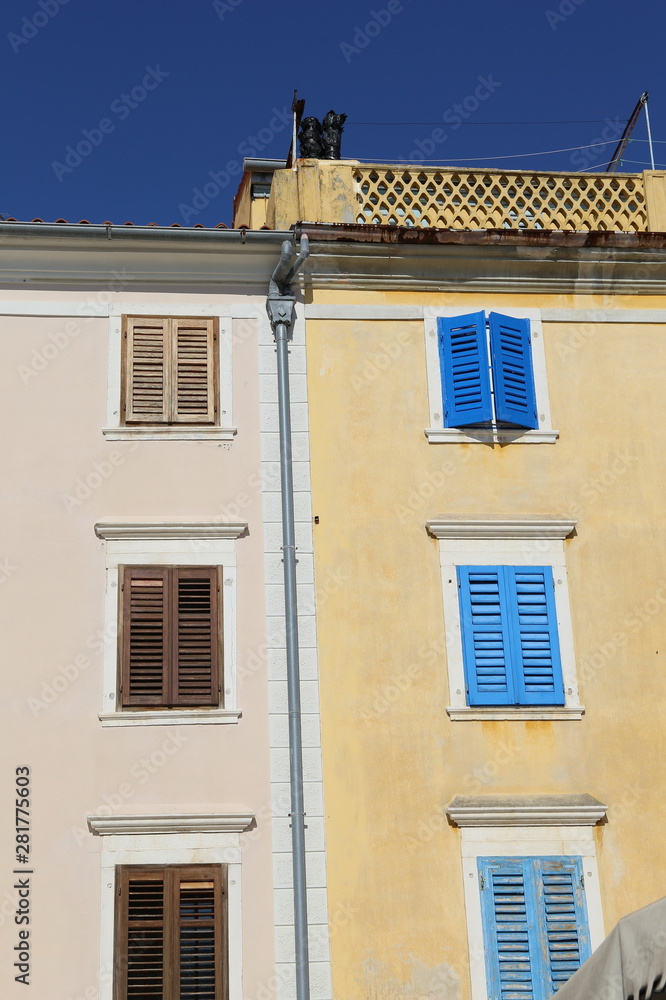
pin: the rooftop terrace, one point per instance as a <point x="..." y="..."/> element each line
<point x="346" y="191"/>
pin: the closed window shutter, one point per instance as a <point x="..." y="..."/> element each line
<point x="464" y="369"/>
<point x="147" y="345"/>
<point x="195" y="599"/>
<point x="535" y="924"/>
<point x="171" y="933"/>
<point x="511" y="649"/>
<point x="200" y="956"/>
<point x="142" y="937"/>
<point x="513" y="374"/>
<point x="564" y="932"/>
<point x="193" y="387"/>
<point x="535" y="643"/>
<point x="145" y="653"/>
<point x="171" y="626"/>
<point x="485" y="635"/>
<point x="509" y="928"/>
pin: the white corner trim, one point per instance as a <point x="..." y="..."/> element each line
<point x="103" y="826"/>
<point x="172" y="432"/>
<point x="156" y="529"/>
<point x="558" y="713"/>
<point x="357" y="311"/>
<point x="455" y="527"/>
<point x="493" y="435"/>
<point x="172" y="717"/>
<point x="526" y="810"/>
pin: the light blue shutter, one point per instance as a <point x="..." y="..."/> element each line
<point x="465" y="370"/>
<point x="564" y="937"/>
<point x="509" y="930"/>
<point x="513" y="374"/>
<point x="485" y="635"/>
<point x="535" y="925"/>
<point x="535" y="648"/>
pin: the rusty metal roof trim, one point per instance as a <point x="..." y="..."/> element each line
<point x="344" y="232"/>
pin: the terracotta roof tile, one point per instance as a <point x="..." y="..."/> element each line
<point x="86" y="222"/>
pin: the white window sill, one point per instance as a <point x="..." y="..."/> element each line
<point x="190" y="432"/>
<point x="559" y="713"/>
<point x="172" y="717"/>
<point x="489" y="435"/>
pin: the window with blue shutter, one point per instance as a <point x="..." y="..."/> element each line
<point x="510" y="644"/>
<point x="465" y="370"/>
<point x="478" y="388"/>
<point x="535" y="926"/>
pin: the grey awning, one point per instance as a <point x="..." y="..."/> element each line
<point x="631" y="959"/>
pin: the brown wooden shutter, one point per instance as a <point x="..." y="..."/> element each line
<point x="201" y="957"/>
<point x="194" y="362"/>
<point x="195" y="636"/>
<point x="171" y="933"/>
<point x="145" y="646"/>
<point x="147" y="366"/>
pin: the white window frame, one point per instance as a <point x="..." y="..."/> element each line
<point x="117" y="431"/>
<point x="171" y="839"/>
<point x="485" y="542"/>
<point x="555" y="832"/>
<point x="169" y="543"/>
<point x="436" y="433"/>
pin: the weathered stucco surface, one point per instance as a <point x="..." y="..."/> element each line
<point x="392" y="757"/>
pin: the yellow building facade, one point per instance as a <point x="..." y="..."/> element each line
<point x="428" y="524"/>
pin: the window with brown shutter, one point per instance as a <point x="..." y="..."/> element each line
<point x="171" y="933"/>
<point x="170" y="631"/>
<point x="170" y="370"/>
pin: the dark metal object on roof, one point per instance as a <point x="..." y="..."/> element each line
<point x="310" y="138"/>
<point x="321" y="140"/>
<point x="331" y="135"/>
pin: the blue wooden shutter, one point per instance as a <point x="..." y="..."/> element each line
<point x="564" y="937"/>
<point x="535" y="648"/>
<point x="485" y="635"/>
<point x="535" y="924"/>
<point x="513" y="374"/>
<point x="509" y="928"/>
<point x="465" y="370"/>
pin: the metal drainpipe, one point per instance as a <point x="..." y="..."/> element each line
<point x="280" y="307"/>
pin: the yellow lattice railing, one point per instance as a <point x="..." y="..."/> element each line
<point x="465" y="199"/>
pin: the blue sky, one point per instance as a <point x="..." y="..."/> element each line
<point x="123" y="110"/>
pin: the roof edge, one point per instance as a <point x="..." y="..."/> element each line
<point x="165" y="234"/>
<point x="345" y="232"/>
